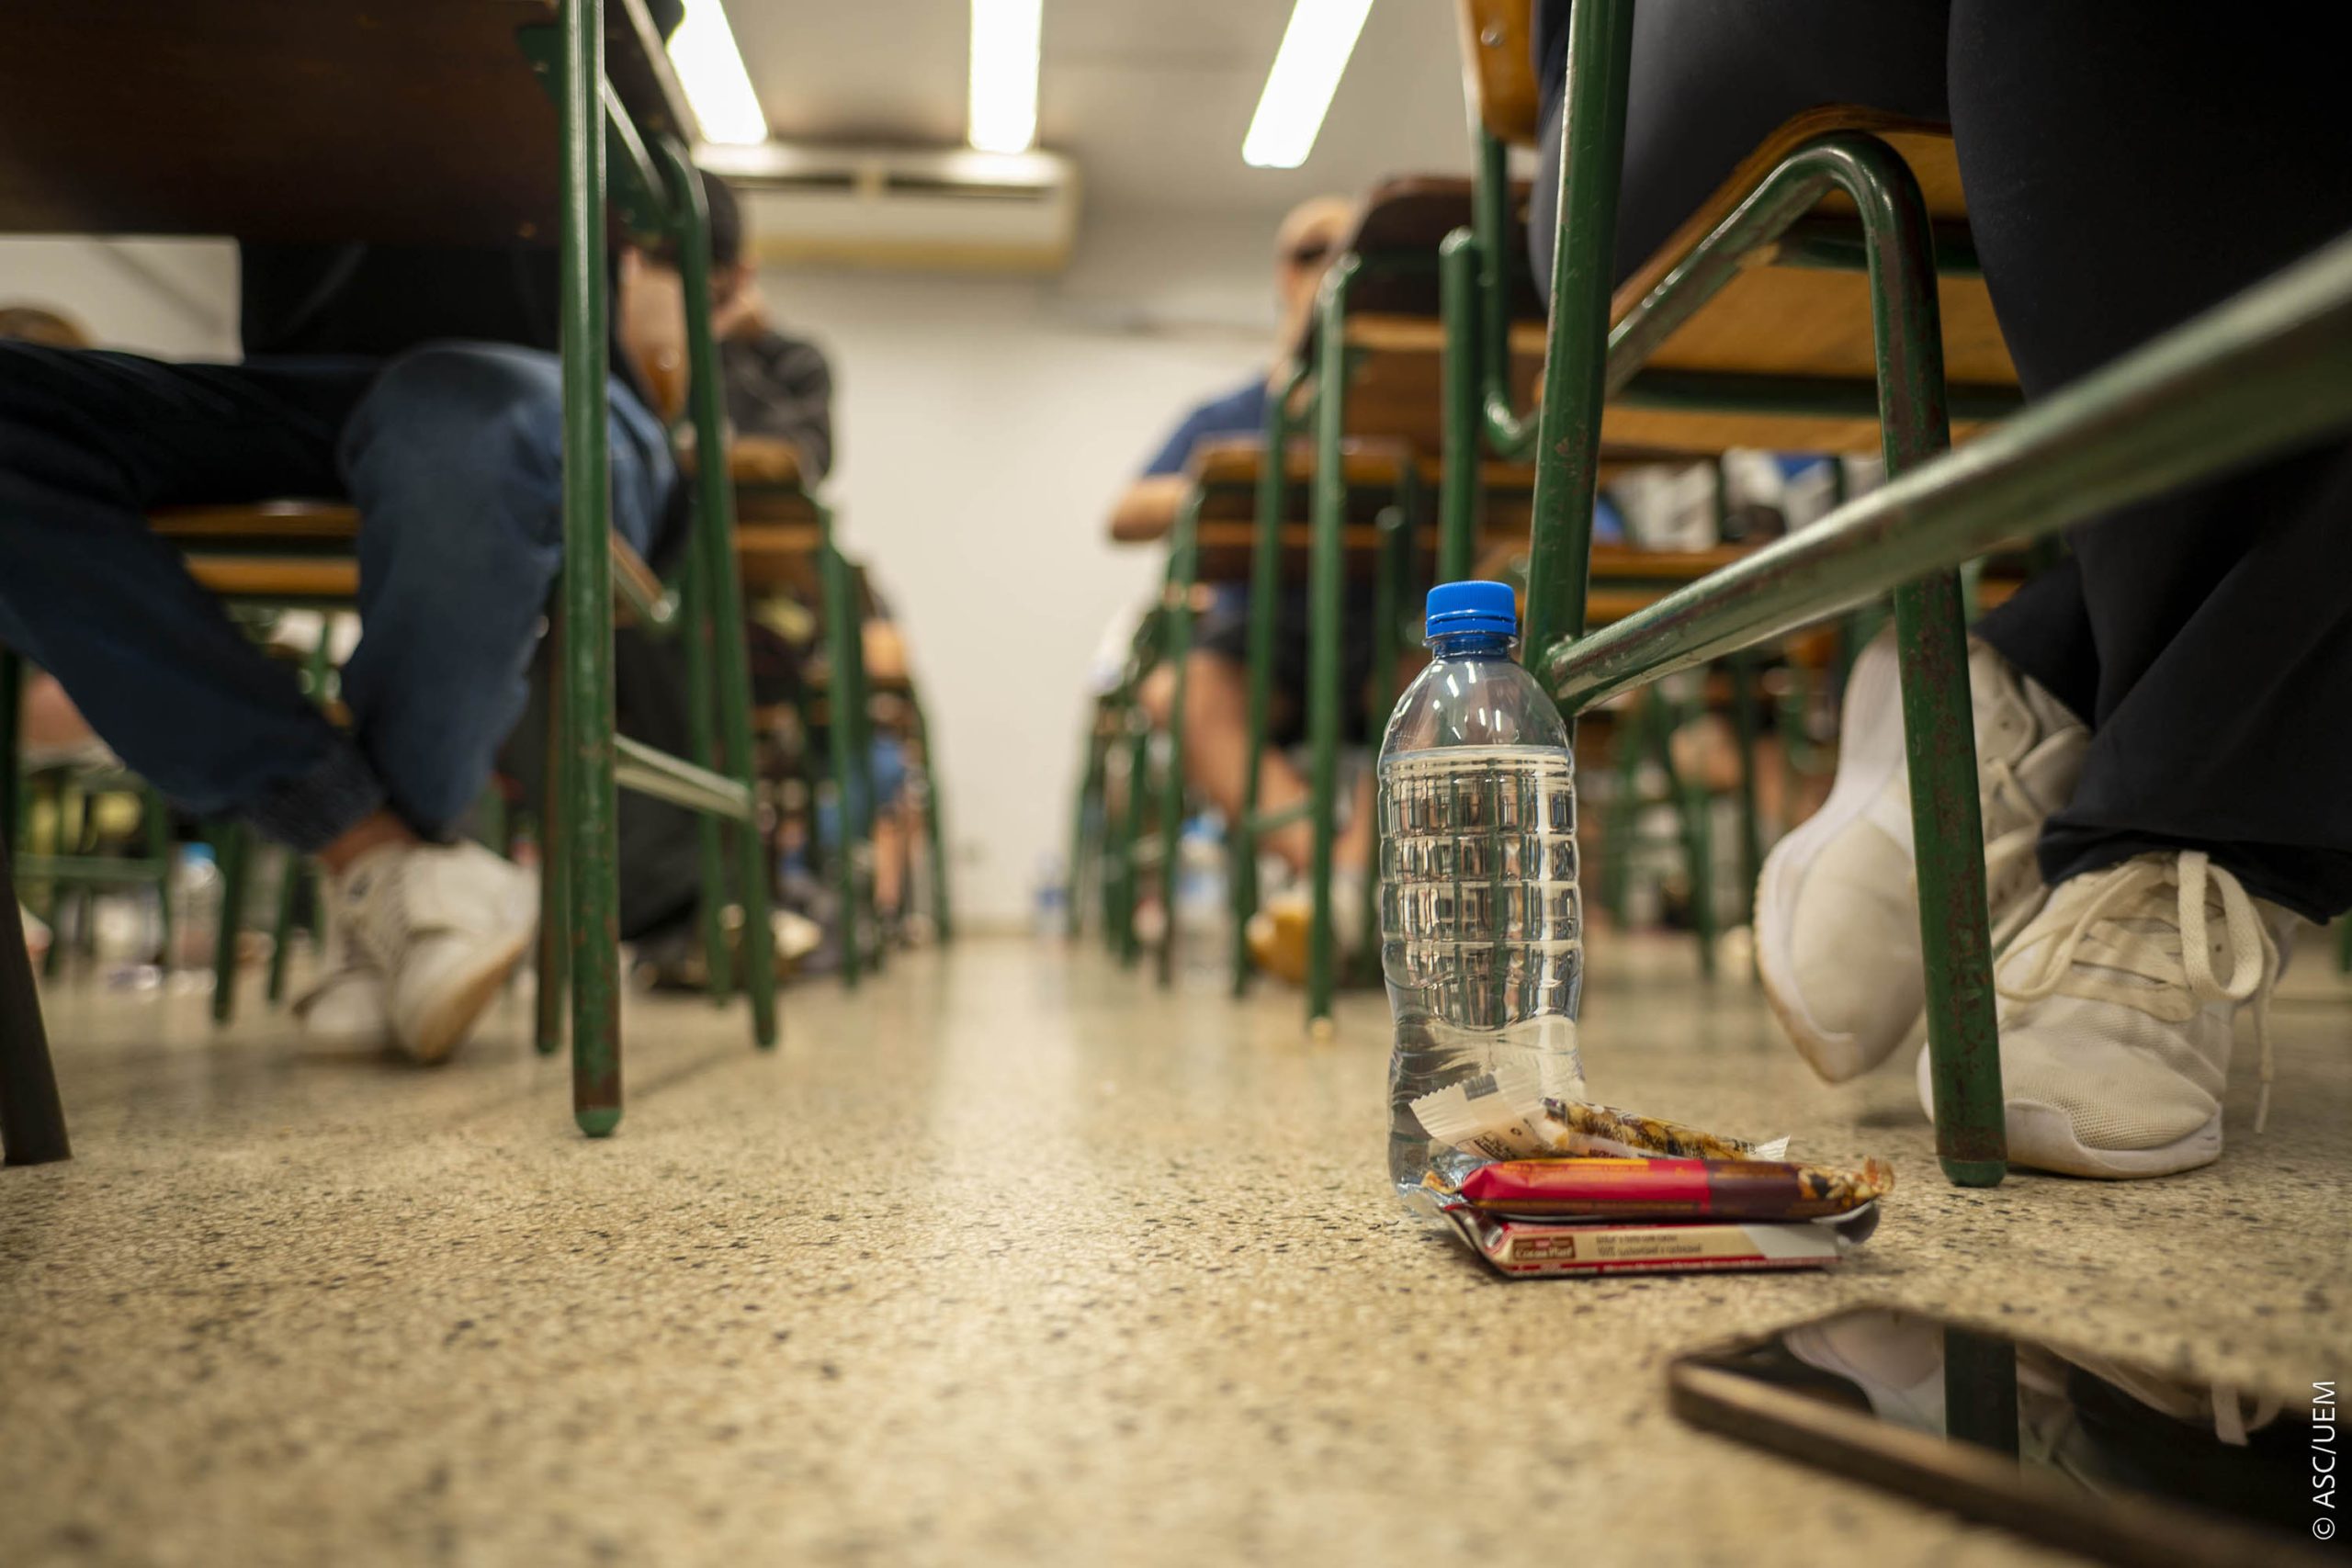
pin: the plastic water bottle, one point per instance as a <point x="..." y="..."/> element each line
<point x="1481" y="933"/>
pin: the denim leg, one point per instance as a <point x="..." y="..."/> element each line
<point x="89" y="441"/>
<point x="455" y="458"/>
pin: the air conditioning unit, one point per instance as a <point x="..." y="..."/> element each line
<point x="938" y="211"/>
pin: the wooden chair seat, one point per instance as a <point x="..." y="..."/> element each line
<point x="301" y="551"/>
<point x="1227" y="470"/>
<point x="1785" y="322"/>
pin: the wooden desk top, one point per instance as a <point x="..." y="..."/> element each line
<point x="416" y="122"/>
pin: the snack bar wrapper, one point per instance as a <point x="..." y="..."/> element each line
<point x="1504" y="1115"/>
<point x="1665" y="1189"/>
<point x="1541" y="1249"/>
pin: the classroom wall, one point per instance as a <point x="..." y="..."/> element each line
<point x="985" y="426"/>
<point x="175" y="297"/>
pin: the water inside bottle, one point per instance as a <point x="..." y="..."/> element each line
<point x="1482" y="936"/>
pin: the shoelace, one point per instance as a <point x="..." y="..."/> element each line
<point x="2133" y="892"/>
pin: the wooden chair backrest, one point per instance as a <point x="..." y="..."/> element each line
<point x="1498" y="68"/>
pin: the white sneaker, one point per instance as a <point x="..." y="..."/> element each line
<point x="2117" y="1018"/>
<point x="349" y="1005"/>
<point x="1837" y="905"/>
<point x="442" y="924"/>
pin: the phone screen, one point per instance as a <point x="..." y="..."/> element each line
<point x="2257" y="1459"/>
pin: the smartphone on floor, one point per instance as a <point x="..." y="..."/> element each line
<point x="2107" y="1458"/>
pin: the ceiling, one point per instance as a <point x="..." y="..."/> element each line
<point x="1151" y="96"/>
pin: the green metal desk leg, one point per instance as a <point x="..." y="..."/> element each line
<point x="1183" y="565"/>
<point x="590" y="800"/>
<point x="234" y="845"/>
<point x="1265" y="587"/>
<point x="710" y="831"/>
<point x="554" y="981"/>
<point x="1939" y="725"/>
<point x="841" y="630"/>
<point x="1567" y="449"/>
<point x="1327" y="605"/>
<point x="2344" y="945"/>
<point x="1460" y="492"/>
<point x="713" y="541"/>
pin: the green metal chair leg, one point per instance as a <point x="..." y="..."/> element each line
<point x="1459" y="491"/>
<point x="234" y="845"/>
<point x="1182" y="567"/>
<point x="1265" y="585"/>
<point x="867" y="861"/>
<point x="1633" y="744"/>
<point x="1083" y="814"/>
<point x="1397" y="530"/>
<point x="586" y="760"/>
<point x="1691" y="806"/>
<point x="713" y="541"/>
<point x="281" y="930"/>
<point x="1131" y="838"/>
<point x="1567" y="449"/>
<point x="841" y="629"/>
<point x="1326" y="606"/>
<point x="934" y="822"/>
<point x="710" y="831"/>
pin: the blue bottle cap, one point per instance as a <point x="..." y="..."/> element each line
<point x="1472" y="607"/>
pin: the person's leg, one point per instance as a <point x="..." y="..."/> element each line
<point x="2126" y="171"/>
<point x="455" y="458"/>
<point x="90" y="442"/>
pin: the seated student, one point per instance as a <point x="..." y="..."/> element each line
<point x="2165" y="722"/>
<point x="423" y="385"/>
<point x="1216" y="702"/>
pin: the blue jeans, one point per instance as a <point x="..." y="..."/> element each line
<point x="453" y="454"/>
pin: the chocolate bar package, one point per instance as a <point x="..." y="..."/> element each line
<point x="1554" y="1249"/>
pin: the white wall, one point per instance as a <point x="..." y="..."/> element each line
<point x="174" y="297"/>
<point x="985" y="427"/>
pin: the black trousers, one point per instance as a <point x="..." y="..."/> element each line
<point x="2127" y="166"/>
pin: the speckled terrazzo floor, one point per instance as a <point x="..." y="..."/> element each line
<point x="1007" y="1260"/>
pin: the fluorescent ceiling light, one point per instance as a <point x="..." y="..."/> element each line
<point x="710" y="68"/>
<point x="1004" y="75"/>
<point x="1314" y="55"/>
